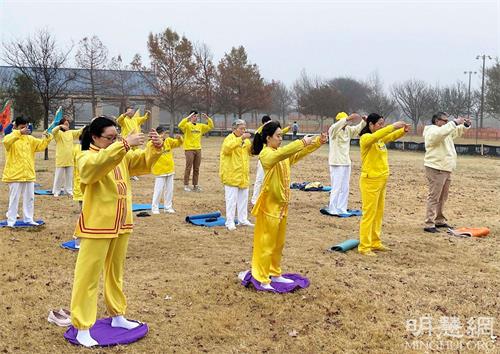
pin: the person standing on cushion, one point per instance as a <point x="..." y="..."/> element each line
<point x="440" y="161"/>
<point x="193" y="131"/>
<point x="63" y="177"/>
<point x="373" y="179"/>
<point x="105" y="223"/>
<point x="130" y="122"/>
<point x="271" y="208"/>
<point x="340" y="135"/>
<point x="164" y="173"/>
<point x="259" y="175"/>
<point x="19" y="171"/>
<point x="234" y="172"/>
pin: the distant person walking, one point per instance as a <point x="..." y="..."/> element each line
<point x="295" y="130"/>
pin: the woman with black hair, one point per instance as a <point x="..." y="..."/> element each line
<point x="271" y="207"/>
<point x="373" y="179"/>
<point x="105" y="166"/>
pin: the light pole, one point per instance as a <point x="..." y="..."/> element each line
<point x="468" y="98"/>
<point x="483" y="57"/>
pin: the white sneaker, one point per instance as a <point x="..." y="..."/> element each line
<point x="281" y="279"/>
<point x="187" y="189"/>
<point x="170" y="210"/>
<point x="197" y="189"/>
<point x="155" y="211"/>
<point x="134" y="178"/>
<point x="33" y="223"/>
<point x="231" y="227"/>
<point x="246" y="223"/>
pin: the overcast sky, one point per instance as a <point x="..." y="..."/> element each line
<point x="431" y="40"/>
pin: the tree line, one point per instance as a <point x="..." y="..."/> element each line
<point x="184" y="75"/>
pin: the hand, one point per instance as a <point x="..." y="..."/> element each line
<point x="147" y="112"/>
<point x="307" y="140"/>
<point x="135" y="139"/>
<point x="398" y="125"/>
<point x="246" y="136"/>
<point x="364" y="118"/>
<point x="25" y="130"/>
<point x="45" y="134"/>
<point x="467" y="122"/>
<point x="155" y="138"/>
<point x="407" y="128"/>
<point x="459" y="120"/>
<point x="178" y="136"/>
<point x="353" y="116"/>
<point x="323" y="138"/>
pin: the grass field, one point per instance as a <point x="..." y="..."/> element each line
<point x="354" y="304"/>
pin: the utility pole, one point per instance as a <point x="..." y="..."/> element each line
<point x="468" y="99"/>
<point x="483" y="57"/>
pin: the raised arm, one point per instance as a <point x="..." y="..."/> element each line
<point x="394" y="135"/>
<point x="11" y="138"/>
<point x="183" y="123"/>
<point x="437" y="135"/>
<point x="336" y="127"/>
<point x="205" y="128"/>
<point x="141" y="120"/>
<point x="140" y="161"/>
<point x="76" y="133"/>
<point x="175" y="142"/>
<point x="270" y="157"/>
<point x="315" y="145"/>
<point x="369" y="139"/>
<point x="93" y="166"/>
<point x="356" y="129"/>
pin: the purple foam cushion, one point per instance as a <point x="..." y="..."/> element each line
<point x="299" y="282"/>
<point x="106" y="335"/>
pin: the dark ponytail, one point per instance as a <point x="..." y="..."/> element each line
<point x="95" y="128"/>
<point x="372" y="118"/>
<point x="260" y="139"/>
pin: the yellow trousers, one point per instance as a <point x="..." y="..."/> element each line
<point x="268" y="242"/>
<point x="373" y="200"/>
<point x="94" y="256"/>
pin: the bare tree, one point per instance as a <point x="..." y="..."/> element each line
<point x="92" y="56"/>
<point x="355" y="92"/>
<point x="281" y="100"/>
<point x="39" y="59"/>
<point x="121" y="80"/>
<point x="453" y="99"/>
<point x="415" y="99"/>
<point x="241" y="80"/>
<point x="376" y="99"/>
<point x="492" y="98"/>
<point x="205" y="78"/>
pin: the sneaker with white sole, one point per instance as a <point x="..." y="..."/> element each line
<point x="231" y="227"/>
<point x="58" y="319"/>
<point x="170" y="211"/>
<point x="187" y="189"/>
<point x="246" y="223"/>
<point x="197" y="189"/>
<point x="155" y="211"/>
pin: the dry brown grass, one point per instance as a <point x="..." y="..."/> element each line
<point x="354" y="303"/>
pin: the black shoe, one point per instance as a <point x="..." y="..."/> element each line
<point x="431" y="229"/>
<point x="443" y="225"/>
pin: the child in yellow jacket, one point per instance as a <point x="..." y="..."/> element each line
<point x="271" y="208"/>
<point x="19" y="170"/>
<point x="234" y="172"/>
<point x="105" y="223"/>
<point x="63" y="177"/>
<point x="164" y="171"/>
<point x="373" y="179"/>
<point x="193" y="131"/>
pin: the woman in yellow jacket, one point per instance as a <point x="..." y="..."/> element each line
<point x="130" y="122"/>
<point x="373" y="179"/>
<point x="164" y="172"/>
<point x="19" y="171"/>
<point x="193" y="131"/>
<point x="105" y="223"/>
<point x="234" y="172"/>
<point x="63" y="177"/>
<point x="271" y="208"/>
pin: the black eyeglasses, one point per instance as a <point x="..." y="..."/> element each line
<point x="110" y="138"/>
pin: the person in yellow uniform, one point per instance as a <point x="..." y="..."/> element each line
<point x="271" y="208"/>
<point x="63" y="177"/>
<point x="259" y="174"/>
<point x="19" y="171"/>
<point x="340" y="134"/>
<point x="193" y="131"/>
<point x="373" y="179"/>
<point x="234" y="172"/>
<point x="105" y="223"/>
<point x="77" y="191"/>
<point x="164" y="173"/>
<point x="130" y="122"/>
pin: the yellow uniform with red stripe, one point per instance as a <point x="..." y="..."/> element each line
<point x="20" y="156"/>
<point x="77" y="190"/>
<point x="194" y="132"/>
<point x="131" y="125"/>
<point x="372" y="183"/>
<point x="271" y="208"/>
<point x="234" y="168"/>
<point x="64" y="145"/>
<point x="165" y="163"/>
<point x="105" y="182"/>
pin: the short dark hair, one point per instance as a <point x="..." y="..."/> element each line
<point x="265" y="119"/>
<point x="437" y="116"/>
<point x="160" y="129"/>
<point x="193" y="112"/>
<point x="20" y="120"/>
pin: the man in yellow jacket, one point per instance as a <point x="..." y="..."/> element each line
<point x="193" y="131"/>
<point x="164" y="172"/>
<point x="130" y="122"/>
<point x="234" y="172"/>
<point x="340" y="135"/>
<point x="440" y="160"/>
<point x="63" y="177"/>
<point x="19" y="170"/>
